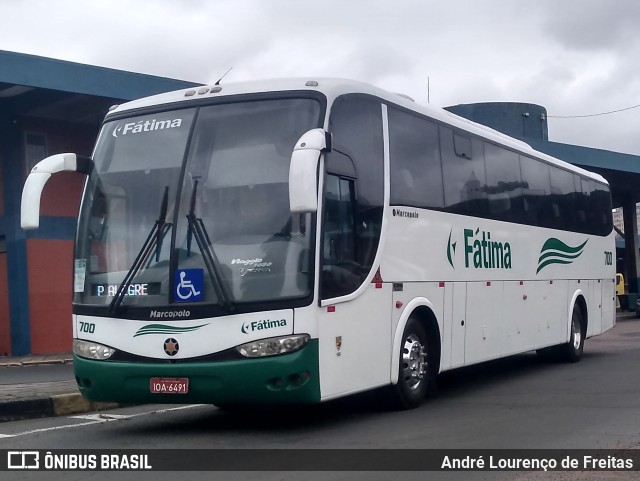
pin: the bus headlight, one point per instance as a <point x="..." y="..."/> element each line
<point x="91" y="350"/>
<point x="273" y="345"/>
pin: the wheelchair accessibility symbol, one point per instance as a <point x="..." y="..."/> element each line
<point x="188" y="285"/>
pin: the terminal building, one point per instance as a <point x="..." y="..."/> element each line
<point x="49" y="106"/>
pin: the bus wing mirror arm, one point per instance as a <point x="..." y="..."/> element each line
<point x="38" y="177"/>
<point x="303" y="170"/>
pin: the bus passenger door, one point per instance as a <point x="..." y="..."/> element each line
<point x="355" y="352"/>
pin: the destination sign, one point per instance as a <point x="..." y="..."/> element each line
<point x="140" y="289"/>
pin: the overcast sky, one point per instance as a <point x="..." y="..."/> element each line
<point x="574" y="57"/>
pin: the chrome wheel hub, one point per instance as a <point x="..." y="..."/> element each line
<point x="414" y="362"/>
<point x="577" y="334"/>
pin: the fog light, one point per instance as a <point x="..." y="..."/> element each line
<point x="91" y="350"/>
<point x="273" y="346"/>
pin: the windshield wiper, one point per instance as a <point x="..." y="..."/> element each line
<point x="197" y="229"/>
<point x="155" y="237"/>
<point x="161" y="223"/>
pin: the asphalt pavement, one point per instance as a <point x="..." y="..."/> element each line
<point x="44" y="385"/>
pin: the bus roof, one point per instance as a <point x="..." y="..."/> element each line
<point x="335" y="87"/>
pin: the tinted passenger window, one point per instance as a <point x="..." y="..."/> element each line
<point x="582" y="188"/>
<point x="462" y="146"/>
<point x="600" y="205"/>
<point x="562" y="199"/>
<point x="416" y="172"/>
<point x="536" y="188"/>
<point x="463" y="178"/>
<point x="356" y="126"/>
<point x="504" y="184"/>
<point x="481" y="179"/>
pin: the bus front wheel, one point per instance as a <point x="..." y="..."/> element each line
<point x="414" y="374"/>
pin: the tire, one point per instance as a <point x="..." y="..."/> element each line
<point x="572" y="350"/>
<point x="415" y="376"/>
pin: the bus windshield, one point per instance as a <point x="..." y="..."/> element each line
<point x="191" y="206"/>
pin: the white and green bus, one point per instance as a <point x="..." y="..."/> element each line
<point x="295" y="241"/>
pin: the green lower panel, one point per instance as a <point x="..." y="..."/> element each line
<point x="288" y="379"/>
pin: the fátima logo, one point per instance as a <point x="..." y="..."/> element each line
<point x="480" y="251"/>
<point x="451" y="249"/>
<point x="252" y="326"/>
<point x="145" y="126"/>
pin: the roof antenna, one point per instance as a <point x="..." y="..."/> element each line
<point x="225" y="74"/>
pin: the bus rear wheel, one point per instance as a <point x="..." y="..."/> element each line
<point x="572" y="350"/>
<point x="414" y="376"/>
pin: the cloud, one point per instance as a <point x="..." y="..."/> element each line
<point x="593" y="25"/>
<point x="573" y="56"/>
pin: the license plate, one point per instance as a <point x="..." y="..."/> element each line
<point x="169" y="385"/>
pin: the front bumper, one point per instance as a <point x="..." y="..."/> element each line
<point x="286" y="379"/>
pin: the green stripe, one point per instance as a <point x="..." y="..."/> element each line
<point x="554" y="251"/>
<point x="164" y="329"/>
<point x="558" y="245"/>
<point x="551" y="261"/>
<point x="558" y="254"/>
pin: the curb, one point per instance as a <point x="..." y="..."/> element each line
<point x="34" y="362"/>
<point x="56" y="405"/>
<point x="64" y="404"/>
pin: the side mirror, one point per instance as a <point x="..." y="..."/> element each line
<point x="303" y="170"/>
<point x="38" y="177"/>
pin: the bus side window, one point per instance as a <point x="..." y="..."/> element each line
<point x="582" y="198"/>
<point x="564" y="199"/>
<point x="504" y="184"/>
<point x="464" y="179"/>
<point x="414" y="152"/>
<point x="600" y="206"/>
<point x="536" y="187"/>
